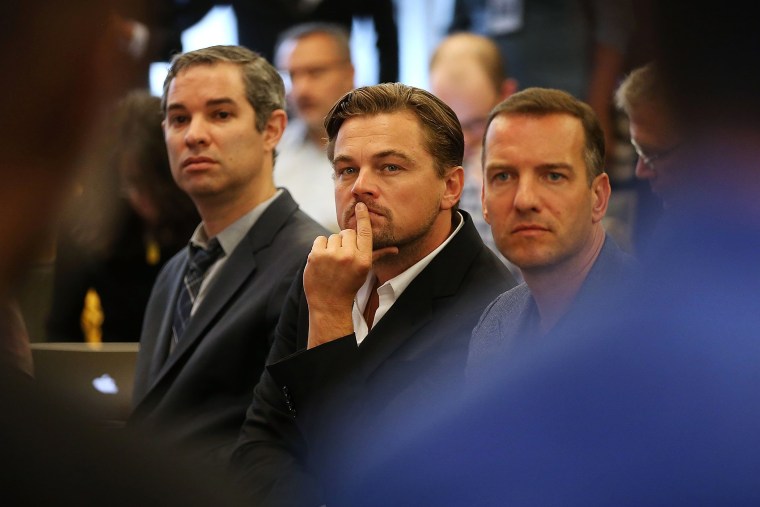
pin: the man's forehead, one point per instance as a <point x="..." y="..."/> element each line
<point x="557" y="121"/>
<point x="217" y="72"/>
<point x="209" y="82"/>
<point x="560" y="131"/>
<point x="385" y="131"/>
<point x="381" y="125"/>
<point x="301" y="51"/>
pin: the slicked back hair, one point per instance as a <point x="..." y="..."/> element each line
<point x="441" y="129"/>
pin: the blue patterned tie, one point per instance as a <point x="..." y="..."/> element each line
<point x="200" y="260"/>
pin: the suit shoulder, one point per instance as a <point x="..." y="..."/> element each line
<point x="303" y="225"/>
<point x="300" y="231"/>
<point x="498" y="327"/>
<point x="174" y="264"/>
<point x="507" y="305"/>
<point x="487" y="272"/>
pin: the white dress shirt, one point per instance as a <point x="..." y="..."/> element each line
<point x="391" y="290"/>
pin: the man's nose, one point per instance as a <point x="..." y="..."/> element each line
<point x="526" y="197"/>
<point x="300" y="83"/>
<point x="365" y="183"/>
<point x="643" y="171"/>
<point x="196" y="132"/>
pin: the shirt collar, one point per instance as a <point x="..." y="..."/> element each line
<point x="398" y="284"/>
<point x="234" y="233"/>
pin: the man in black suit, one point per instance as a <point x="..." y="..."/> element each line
<point x="205" y="336"/>
<point x="382" y="307"/>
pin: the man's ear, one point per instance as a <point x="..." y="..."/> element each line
<point x="274" y="128"/>
<point x="454" y="181"/>
<point x="600" y="195"/>
<point x="483" y="203"/>
<point x="508" y="87"/>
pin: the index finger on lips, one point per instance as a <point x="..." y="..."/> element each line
<point x="363" y="228"/>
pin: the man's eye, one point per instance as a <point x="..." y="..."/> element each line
<point x="345" y="171"/>
<point x="501" y="177"/>
<point x="392" y="168"/>
<point x="316" y="72"/>
<point x="223" y="115"/>
<point x="177" y="120"/>
<point x="555" y="176"/>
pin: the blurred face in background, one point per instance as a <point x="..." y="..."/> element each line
<point x="656" y="140"/>
<point x="460" y="75"/>
<point x="464" y="86"/>
<point x="319" y="73"/>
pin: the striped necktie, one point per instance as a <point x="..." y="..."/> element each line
<point x="200" y="260"/>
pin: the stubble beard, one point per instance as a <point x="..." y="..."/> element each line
<point x="386" y="236"/>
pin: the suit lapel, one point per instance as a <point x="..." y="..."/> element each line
<point x="237" y="270"/>
<point x="416" y="306"/>
<point x="163" y="343"/>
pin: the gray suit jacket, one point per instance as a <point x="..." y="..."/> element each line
<point x="199" y="393"/>
<point x="511" y="320"/>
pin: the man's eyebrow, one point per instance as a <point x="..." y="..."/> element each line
<point x="376" y="156"/>
<point x="556" y="165"/>
<point x="392" y="153"/>
<point x="496" y="166"/>
<point x="175" y="106"/>
<point x="341" y="158"/>
<point x="209" y="103"/>
<point x="220" y="101"/>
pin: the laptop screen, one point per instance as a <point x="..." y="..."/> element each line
<point x="97" y="378"/>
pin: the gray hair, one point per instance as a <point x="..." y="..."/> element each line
<point x="264" y="88"/>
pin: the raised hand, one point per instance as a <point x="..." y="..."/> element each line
<point x="336" y="269"/>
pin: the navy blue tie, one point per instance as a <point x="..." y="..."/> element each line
<point x="200" y="260"/>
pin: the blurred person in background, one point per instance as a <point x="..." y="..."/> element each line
<point x="467" y="72"/>
<point x="584" y="55"/>
<point x="129" y="219"/>
<point x="315" y="59"/>
<point x="654" y="132"/>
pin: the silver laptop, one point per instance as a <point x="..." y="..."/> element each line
<point x="95" y="378"/>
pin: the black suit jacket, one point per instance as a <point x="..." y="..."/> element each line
<point x="199" y="393"/>
<point x="290" y="438"/>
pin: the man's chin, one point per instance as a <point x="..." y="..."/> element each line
<point x="380" y="241"/>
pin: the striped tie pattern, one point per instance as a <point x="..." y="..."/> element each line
<point x="200" y="260"/>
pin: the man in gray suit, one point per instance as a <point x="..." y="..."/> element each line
<point x="545" y="193"/>
<point x="211" y="316"/>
